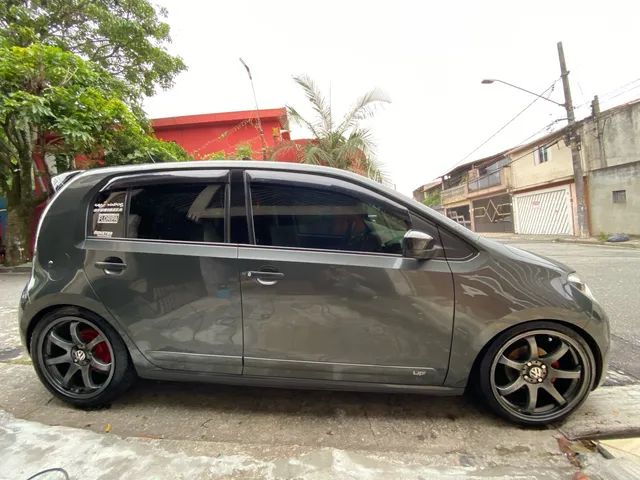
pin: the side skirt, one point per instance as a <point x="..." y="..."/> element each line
<point x="296" y="383"/>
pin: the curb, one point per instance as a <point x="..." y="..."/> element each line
<point x="587" y="242"/>
<point x="628" y="244"/>
<point x="18" y="269"/>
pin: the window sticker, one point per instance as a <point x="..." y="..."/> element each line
<point x="108" y="215"/>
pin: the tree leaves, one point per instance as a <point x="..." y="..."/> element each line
<point x="72" y="76"/>
<point x="126" y="38"/>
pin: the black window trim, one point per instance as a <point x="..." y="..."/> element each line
<point x="122" y="182"/>
<point x="279" y="177"/>
<point x="248" y="175"/>
<point x="126" y="183"/>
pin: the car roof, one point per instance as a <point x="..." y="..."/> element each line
<point x="217" y="164"/>
<point x="103" y="172"/>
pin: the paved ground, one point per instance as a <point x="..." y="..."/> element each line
<point x="171" y="430"/>
<point x="11" y="285"/>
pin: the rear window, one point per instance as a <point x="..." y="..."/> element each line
<point x="108" y="218"/>
<point x="181" y="212"/>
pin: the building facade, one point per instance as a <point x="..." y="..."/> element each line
<point x="543" y="188"/>
<point x="611" y="149"/>
<point x="476" y="194"/>
<point x="222" y="134"/>
<point x="530" y="189"/>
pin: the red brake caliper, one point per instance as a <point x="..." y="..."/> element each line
<point x="100" y="351"/>
<point x="555" y="364"/>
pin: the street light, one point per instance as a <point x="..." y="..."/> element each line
<point x="489" y="81"/>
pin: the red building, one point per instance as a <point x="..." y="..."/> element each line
<point x="203" y="136"/>
<point x="215" y="134"/>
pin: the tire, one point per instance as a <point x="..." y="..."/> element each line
<point x="80" y="358"/>
<point x="536" y="387"/>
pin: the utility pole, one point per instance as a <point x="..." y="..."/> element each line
<point x="573" y="139"/>
<point x="255" y="99"/>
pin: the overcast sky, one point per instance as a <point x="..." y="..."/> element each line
<point x="429" y="57"/>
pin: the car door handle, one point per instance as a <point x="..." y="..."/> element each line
<point x="111" y="265"/>
<point x="266" y="278"/>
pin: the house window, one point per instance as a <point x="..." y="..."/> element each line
<point x="619" y="196"/>
<point x="541" y="155"/>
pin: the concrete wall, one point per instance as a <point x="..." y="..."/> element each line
<point x="609" y="217"/>
<point x="525" y="173"/>
<point x="614" y="139"/>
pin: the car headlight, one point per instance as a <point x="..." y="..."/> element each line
<point x="575" y="280"/>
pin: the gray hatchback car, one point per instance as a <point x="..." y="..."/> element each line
<point x="260" y="273"/>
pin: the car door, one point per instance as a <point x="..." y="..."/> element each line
<point x="326" y="293"/>
<point x="157" y="255"/>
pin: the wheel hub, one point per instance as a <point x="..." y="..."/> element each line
<point x="80" y="356"/>
<point x="534" y="371"/>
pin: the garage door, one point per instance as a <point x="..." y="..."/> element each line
<point x="545" y="212"/>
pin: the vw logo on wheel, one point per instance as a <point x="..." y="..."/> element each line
<point x="79" y="356"/>
<point x="536" y="372"/>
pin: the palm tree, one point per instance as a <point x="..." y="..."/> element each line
<point x="344" y="144"/>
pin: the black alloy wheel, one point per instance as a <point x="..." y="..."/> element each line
<point x="537" y="376"/>
<point x="80" y="358"/>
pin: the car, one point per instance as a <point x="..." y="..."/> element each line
<point x="296" y="276"/>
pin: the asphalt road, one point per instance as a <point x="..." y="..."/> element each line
<point x="612" y="273"/>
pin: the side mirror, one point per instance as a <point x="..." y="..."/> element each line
<point x="417" y="244"/>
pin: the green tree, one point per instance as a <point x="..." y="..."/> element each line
<point x="142" y="147"/>
<point x="125" y="37"/>
<point x="53" y="103"/>
<point x="433" y="199"/>
<point x="56" y="103"/>
<point x="342" y="143"/>
<point x="243" y="152"/>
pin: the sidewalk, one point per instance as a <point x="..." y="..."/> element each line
<point x="170" y="430"/>
<point x="24" y="268"/>
<point x="515" y="237"/>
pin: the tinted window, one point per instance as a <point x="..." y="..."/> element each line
<point x="304" y="217"/>
<point x="190" y="213"/>
<point x="454" y="247"/>
<point x="448" y="245"/>
<point x="108" y="217"/>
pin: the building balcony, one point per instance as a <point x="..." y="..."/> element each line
<point x="493" y="182"/>
<point x="485" y="181"/>
<point x="455" y="194"/>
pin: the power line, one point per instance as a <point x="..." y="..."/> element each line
<point x="491" y="137"/>
<point x="623" y="92"/>
<point x="534" y="148"/>
<point x="608" y="95"/>
<point x="546" y="127"/>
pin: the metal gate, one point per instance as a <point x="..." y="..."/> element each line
<point x="544" y="212"/>
<point x="493" y="214"/>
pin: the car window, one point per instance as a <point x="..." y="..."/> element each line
<point x="108" y="218"/>
<point x="183" y="212"/>
<point x="307" y="217"/>
<point x="454" y="247"/>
